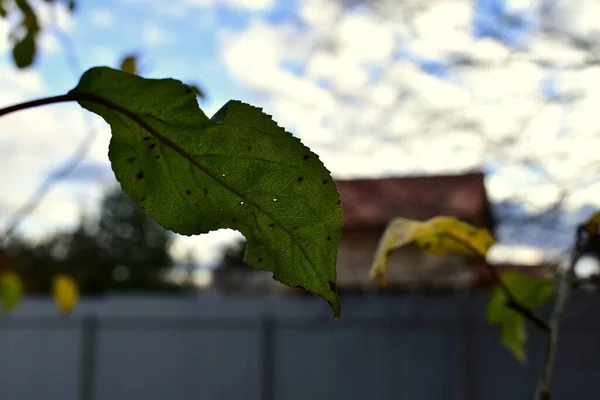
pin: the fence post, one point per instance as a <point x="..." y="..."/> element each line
<point x="464" y="332"/>
<point x="267" y="358"/>
<point x="87" y="366"/>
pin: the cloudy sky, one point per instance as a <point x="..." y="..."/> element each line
<point x="376" y="87"/>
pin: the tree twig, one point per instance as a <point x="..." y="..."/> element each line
<point x="564" y="291"/>
<point x="514" y="304"/>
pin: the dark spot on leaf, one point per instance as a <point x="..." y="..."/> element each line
<point x="300" y="179"/>
<point x="131" y="159"/>
<point x="426" y="245"/>
<point x="249" y="148"/>
<point x="260" y="259"/>
<point x="294" y="228"/>
<point x="157" y="157"/>
<point x="146" y="137"/>
<point x="197" y="205"/>
<point x="306" y="156"/>
<point x="332" y="286"/>
<point x="271" y="225"/>
<point x="205" y="190"/>
<point x="339" y="201"/>
<point x="329" y="238"/>
<point x="300" y="287"/>
<point x="140" y="175"/>
<point x="188" y="192"/>
<point x="188" y="90"/>
<point x="324" y="181"/>
<point x="471" y="233"/>
<point x="153" y="145"/>
<point x="234" y="220"/>
<point x="143" y="198"/>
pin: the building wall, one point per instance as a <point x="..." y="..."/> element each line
<point x="408" y="267"/>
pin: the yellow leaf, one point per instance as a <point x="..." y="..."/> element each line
<point x="66" y="293"/>
<point x="129" y="64"/>
<point x="439" y="235"/>
<point x="593" y="223"/>
<point x="11" y="290"/>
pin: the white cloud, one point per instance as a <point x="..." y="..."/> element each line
<point x="252" y="5"/>
<point x="102" y="18"/>
<point x="155" y="36"/>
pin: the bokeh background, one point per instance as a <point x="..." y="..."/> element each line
<point x="378" y="88"/>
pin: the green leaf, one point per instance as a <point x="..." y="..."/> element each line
<point x="11" y="290"/>
<point x="197" y="91"/>
<point x="24" y="51"/>
<point x="238" y="170"/>
<point x="529" y="292"/>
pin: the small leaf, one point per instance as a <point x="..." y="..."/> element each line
<point x="66" y="293"/>
<point x="24" y="51"/>
<point x="593" y="224"/>
<point x="530" y="293"/>
<point x="238" y="170"/>
<point x="11" y="290"/>
<point x="129" y="64"/>
<point x="439" y="235"/>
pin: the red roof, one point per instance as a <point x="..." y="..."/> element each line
<point x="371" y="203"/>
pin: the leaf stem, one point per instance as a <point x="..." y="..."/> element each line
<point x="514" y="304"/>
<point x="37" y="103"/>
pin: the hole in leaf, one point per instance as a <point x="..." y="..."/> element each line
<point x="223" y="174"/>
<point x="241" y="203"/>
<point x="274" y="199"/>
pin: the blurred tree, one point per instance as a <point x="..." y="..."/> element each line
<point x="232" y="275"/>
<point x="123" y="250"/>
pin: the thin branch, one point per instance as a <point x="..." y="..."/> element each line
<point x="511" y="300"/>
<point x="564" y="291"/>
<point x="514" y="304"/>
<point x="38" y="195"/>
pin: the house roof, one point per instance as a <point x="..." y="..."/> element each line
<point x="372" y="203"/>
